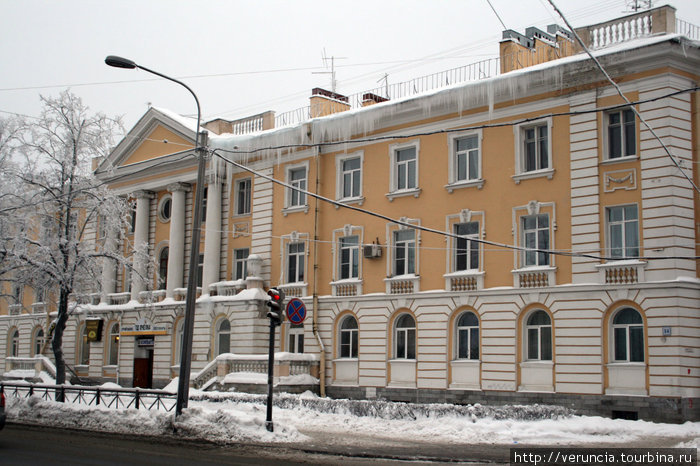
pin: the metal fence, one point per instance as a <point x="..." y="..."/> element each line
<point x="116" y="398"/>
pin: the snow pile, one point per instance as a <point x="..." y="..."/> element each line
<point x="238" y="417"/>
<point x="196" y="423"/>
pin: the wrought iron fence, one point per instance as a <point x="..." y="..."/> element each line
<point x="116" y="398"/>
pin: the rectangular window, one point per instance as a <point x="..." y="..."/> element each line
<point x="297" y="179"/>
<point x="623" y="231"/>
<point x="466" y="158"/>
<point x="535" y="148"/>
<point x="622" y="134"/>
<point x="351" y="177"/>
<point x="243" y="195"/>
<point x="349" y="257"/>
<point x="200" y="270"/>
<point x="466" y="251"/>
<point x="295" y="262"/>
<point x="406" y="168"/>
<point x="535" y="236"/>
<point x="404" y="252"/>
<point x="240" y="263"/>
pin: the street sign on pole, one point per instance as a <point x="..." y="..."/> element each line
<point x="296" y="311"/>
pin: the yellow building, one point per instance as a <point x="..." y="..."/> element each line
<point x="518" y="236"/>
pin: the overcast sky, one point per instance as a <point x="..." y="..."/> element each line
<point x="246" y="57"/>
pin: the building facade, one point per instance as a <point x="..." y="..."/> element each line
<point x="520" y="238"/>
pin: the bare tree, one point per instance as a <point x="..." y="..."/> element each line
<point x="57" y="209"/>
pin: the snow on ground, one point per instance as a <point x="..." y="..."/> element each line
<point x="238" y="417"/>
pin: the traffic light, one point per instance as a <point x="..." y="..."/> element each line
<point x="276" y="305"/>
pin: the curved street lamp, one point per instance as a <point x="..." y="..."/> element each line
<point x="183" y="389"/>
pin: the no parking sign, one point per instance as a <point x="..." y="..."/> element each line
<point x="296" y="311"/>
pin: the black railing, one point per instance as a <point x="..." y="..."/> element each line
<point x="117" y="398"/>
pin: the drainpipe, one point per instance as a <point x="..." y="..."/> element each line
<point x="322" y="363"/>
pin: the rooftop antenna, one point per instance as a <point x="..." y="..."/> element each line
<point x="636" y="5"/>
<point x="332" y="60"/>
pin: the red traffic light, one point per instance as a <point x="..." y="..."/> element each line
<point x="275" y="294"/>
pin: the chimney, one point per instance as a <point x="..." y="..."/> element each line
<point x="519" y="51"/>
<point x="370" y="98"/>
<point x="325" y="102"/>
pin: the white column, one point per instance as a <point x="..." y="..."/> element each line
<point x="109" y="266"/>
<point x="140" y="263"/>
<point x="176" y="258"/>
<point x="212" y="237"/>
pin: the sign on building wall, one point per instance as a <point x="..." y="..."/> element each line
<point x="93" y="329"/>
<point x="144" y="326"/>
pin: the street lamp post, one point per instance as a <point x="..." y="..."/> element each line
<point x="186" y="351"/>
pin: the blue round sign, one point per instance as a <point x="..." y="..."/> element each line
<point x="296" y="311"/>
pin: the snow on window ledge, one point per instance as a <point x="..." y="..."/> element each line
<point x="479" y="183"/>
<point x="415" y="192"/>
<point x="546" y="173"/>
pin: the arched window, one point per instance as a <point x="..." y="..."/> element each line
<point x="628" y="336"/>
<point x="468" y="336"/>
<point x="163" y="268"/>
<point x="179" y="333"/>
<point x="37" y="341"/>
<point x="84" y="354"/>
<point x="13" y="344"/>
<point x="348" y="337"/>
<point x="223" y="337"/>
<point x="538" y="336"/>
<point x="113" y="345"/>
<point x="405" y="337"/>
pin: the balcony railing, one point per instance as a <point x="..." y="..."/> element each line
<point x="402" y="284"/>
<point x="622" y="272"/>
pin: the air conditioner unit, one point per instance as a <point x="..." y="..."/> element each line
<point x="372" y="250"/>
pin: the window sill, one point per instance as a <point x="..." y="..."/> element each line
<point x="546" y="173"/>
<point x="241" y="215"/>
<point x="465" y="362"/>
<point x="294" y="290"/>
<point x="629" y="158"/>
<point x="479" y="183"/>
<point x="621" y="272"/>
<point x="625" y="364"/>
<point x="292" y="210"/>
<point x="537" y="363"/>
<point x="350" y="201"/>
<point x="403" y="193"/>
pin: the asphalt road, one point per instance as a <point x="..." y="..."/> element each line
<point x="32" y="445"/>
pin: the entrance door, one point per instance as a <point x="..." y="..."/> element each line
<point x="143" y="363"/>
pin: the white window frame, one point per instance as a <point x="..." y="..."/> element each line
<point x="84" y="347"/>
<point x="406" y="332"/>
<point x="623" y="223"/>
<point x="470" y="334"/>
<point x="627" y="328"/>
<point x="469" y="249"/>
<point x="535" y="231"/>
<point x="354" y="258"/>
<point x="238" y="261"/>
<point x="288" y="192"/>
<point x="300" y="257"/>
<point x="394" y="190"/>
<point x="353" y="335"/>
<point x="13" y="343"/>
<point x="623" y="146"/>
<point x="113" y="346"/>
<point x="520" y="153"/>
<point x="538" y="330"/>
<point x="340" y="159"/>
<point x="218" y="333"/>
<point x="453" y="182"/>
<point x="38" y="341"/>
<point x="248" y="200"/>
<point x="408" y="245"/>
<point x="295" y="338"/>
<point x="354" y="283"/>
